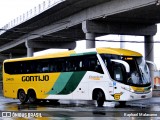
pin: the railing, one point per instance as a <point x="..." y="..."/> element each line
<point x="47" y="4"/>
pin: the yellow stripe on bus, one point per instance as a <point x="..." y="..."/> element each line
<point x="29" y="81"/>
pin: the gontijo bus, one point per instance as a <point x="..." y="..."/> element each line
<point x="100" y="74"/>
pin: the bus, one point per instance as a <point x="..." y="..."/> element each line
<point x="100" y="74"/>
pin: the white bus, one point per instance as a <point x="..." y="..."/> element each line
<point x="101" y="74"/>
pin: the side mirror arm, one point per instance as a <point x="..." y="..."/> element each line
<point x="152" y="63"/>
<point x="127" y="67"/>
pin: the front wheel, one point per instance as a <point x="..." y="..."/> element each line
<point x="23" y="98"/>
<point x="53" y="101"/>
<point x="122" y="103"/>
<point x="100" y="98"/>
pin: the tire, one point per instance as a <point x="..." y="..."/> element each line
<point x="53" y="101"/>
<point x="32" y="97"/>
<point x="122" y="103"/>
<point x="100" y="98"/>
<point x="23" y="98"/>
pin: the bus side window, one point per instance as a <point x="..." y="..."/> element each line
<point x="105" y="62"/>
<point x="118" y="74"/>
<point x="80" y="65"/>
<point x="76" y="65"/>
<point x="45" y="69"/>
<point x="95" y="65"/>
<point x="58" y="63"/>
<point x="52" y="68"/>
<point x="63" y="65"/>
<point x="7" y="69"/>
<point x="92" y="65"/>
<point x="72" y="64"/>
<point x="39" y="68"/>
<point x="85" y="66"/>
<point x="69" y="65"/>
<point x="98" y="67"/>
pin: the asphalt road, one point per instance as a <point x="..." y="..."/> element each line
<point x="66" y="110"/>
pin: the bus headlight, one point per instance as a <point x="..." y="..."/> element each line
<point x="132" y="90"/>
<point x="128" y="89"/>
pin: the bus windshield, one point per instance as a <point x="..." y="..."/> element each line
<point x="139" y="73"/>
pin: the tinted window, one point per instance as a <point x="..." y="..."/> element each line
<point x="65" y="64"/>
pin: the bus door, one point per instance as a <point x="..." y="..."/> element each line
<point x="119" y="75"/>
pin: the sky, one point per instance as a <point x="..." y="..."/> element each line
<point x="11" y="9"/>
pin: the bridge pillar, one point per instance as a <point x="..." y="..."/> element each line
<point x="149" y="54"/>
<point x="90" y="36"/>
<point x="29" y="50"/>
<point x="122" y="43"/>
<point x="90" y="40"/>
<point x="149" y="47"/>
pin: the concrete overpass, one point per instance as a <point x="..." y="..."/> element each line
<point x="67" y="21"/>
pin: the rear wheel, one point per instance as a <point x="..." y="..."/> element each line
<point x="100" y="98"/>
<point x="23" y="98"/>
<point x="32" y="96"/>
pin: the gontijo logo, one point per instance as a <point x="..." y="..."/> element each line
<point x="35" y="78"/>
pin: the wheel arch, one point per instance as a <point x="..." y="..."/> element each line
<point x="95" y="90"/>
<point x="31" y="90"/>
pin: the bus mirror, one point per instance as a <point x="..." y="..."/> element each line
<point x="153" y="64"/>
<point x="125" y="64"/>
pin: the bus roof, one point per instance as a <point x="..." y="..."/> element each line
<point x="118" y="51"/>
<point x="115" y="51"/>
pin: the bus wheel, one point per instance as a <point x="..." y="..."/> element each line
<point x="100" y="98"/>
<point x="54" y="101"/>
<point x="122" y="103"/>
<point x="32" y="96"/>
<point x="22" y="96"/>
